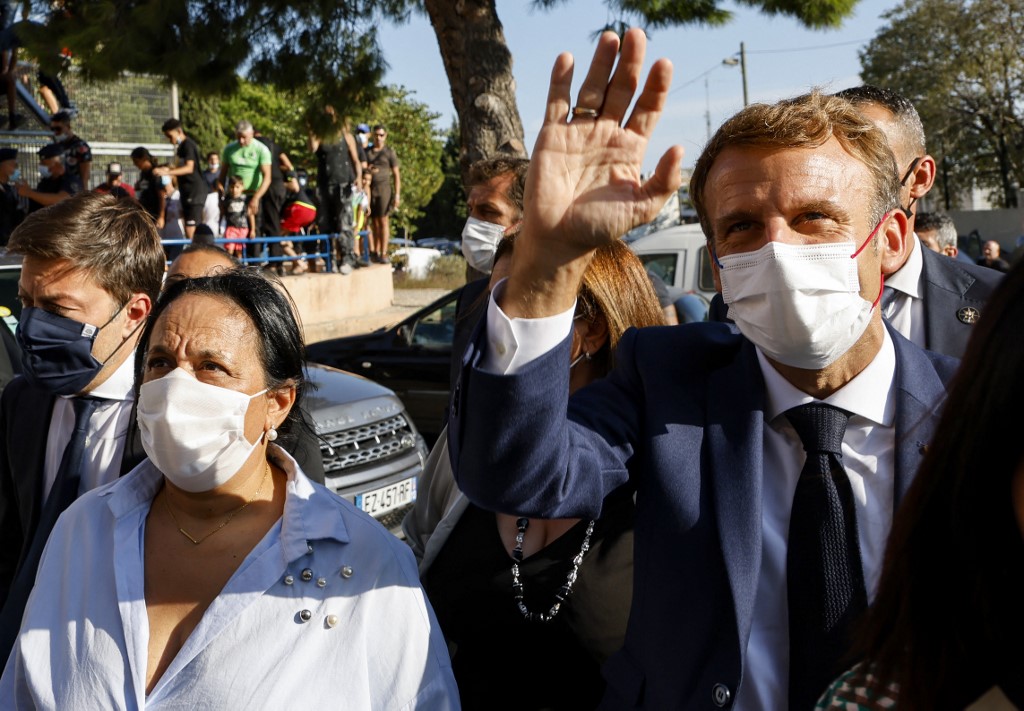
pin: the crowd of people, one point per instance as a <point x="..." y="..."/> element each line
<point x="809" y="502"/>
<point x="255" y="191"/>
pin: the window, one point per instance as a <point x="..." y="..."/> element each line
<point x="436" y="329"/>
<point x="707" y="277"/>
<point x="662" y="265"/>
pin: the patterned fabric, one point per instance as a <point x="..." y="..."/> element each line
<point x="857" y="691"/>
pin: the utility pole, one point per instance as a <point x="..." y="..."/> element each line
<point x="743" y="70"/>
<point x="707" y="107"/>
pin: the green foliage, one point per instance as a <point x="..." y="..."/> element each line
<point x="445" y="214"/>
<point x="201" y="120"/>
<point x="412" y="135"/>
<point x="657" y="14"/>
<point x="966" y="79"/>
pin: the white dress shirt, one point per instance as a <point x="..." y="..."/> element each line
<point x="105" y="435"/>
<point x="371" y="640"/>
<point x="868" y="456"/>
<point x="906" y="313"/>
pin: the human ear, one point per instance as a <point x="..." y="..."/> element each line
<point x="136" y="311"/>
<point x="894" y="241"/>
<point x="279" y="403"/>
<point x="923" y="177"/>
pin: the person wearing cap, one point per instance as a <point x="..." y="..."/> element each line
<point x="56" y="182"/>
<point x="113" y="184"/>
<point x="77" y="153"/>
<point x="11" y="212"/>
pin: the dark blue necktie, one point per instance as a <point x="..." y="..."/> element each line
<point x="825" y="577"/>
<point x="63" y="492"/>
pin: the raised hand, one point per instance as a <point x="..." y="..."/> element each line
<point x="584" y="188"/>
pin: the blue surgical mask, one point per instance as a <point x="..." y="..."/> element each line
<point x="44" y="172"/>
<point x="56" y="351"/>
<point x="16" y="175"/>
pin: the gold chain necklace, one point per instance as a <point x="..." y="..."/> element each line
<point x="231" y="516"/>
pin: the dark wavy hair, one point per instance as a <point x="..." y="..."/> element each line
<point x="278" y="333"/>
<point x="949" y="613"/>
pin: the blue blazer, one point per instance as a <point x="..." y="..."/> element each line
<point x="949" y="287"/>
<point x="681" y="417"/>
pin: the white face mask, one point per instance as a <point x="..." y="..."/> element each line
<point x="800" y="304"/>
<point x="192" y="431"/>
<point x="479" y="241"/>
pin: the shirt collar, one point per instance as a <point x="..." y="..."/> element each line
<point x="311" y="512"/>
<point x="120" y="385"/>
<point x="869" y="394"/>
<point x="907" y="278"/>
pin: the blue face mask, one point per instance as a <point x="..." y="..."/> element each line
<point x="56" y="351"/>
<point x="16" y="175"/>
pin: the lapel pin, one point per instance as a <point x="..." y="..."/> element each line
<point x="968" y="315"/>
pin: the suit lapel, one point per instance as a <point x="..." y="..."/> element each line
<point x="30" y="427"/>
<point x="735" y="449"/>
<point x="944" y="288"/>
<point x="919" y="397"/>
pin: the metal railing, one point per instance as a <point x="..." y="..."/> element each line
<point x="265" y="257"/>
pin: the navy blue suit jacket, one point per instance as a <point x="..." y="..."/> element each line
<point x="949" y="286"/>
<point x="680" y="416"/>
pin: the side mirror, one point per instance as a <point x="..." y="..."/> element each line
<point x="405" y="334"/>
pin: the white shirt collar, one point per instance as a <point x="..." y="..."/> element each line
<point x="119" y="386"/>
<point x="908" y="278"/>
<point x="869" y="394"/>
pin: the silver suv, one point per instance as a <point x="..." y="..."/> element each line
<point x="371" y="450"/>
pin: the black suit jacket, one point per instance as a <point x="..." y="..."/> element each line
<point x="25" y="413"/>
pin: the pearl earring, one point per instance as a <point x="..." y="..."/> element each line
<point x="271" y="434"/>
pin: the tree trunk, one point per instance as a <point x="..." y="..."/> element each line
<point x="479" y="68"/>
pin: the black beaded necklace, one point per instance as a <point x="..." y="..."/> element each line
<point x="563" y="592"/>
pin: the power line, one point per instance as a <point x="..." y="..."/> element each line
<point x="806" y="49"/>
<point x="697" y="78"/>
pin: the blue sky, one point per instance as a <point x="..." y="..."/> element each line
<point x="783" y="59"/>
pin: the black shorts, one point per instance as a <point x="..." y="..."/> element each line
<point x="381" y="203"/>
<point x="191" y="215"/>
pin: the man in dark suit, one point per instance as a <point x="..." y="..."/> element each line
<point x="91" y="272"/>
<point x="931" y="299"/>
<point x="767" y="461"/>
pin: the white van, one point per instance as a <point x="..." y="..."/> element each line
<point x="680" y="257"/>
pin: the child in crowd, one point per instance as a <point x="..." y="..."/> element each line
<point x="170" y="223"/>
<point x="239" y="224"/>
<point x="298" y="213"/>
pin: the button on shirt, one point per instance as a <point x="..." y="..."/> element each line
<point x="868" y="456"/>
<point x="906" y="312"/>
<point x="325" y="612"/>
<point x="106" y="434"/>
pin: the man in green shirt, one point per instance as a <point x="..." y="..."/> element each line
<point x="250" y="160"/>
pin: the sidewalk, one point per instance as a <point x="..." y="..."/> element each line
<point x="405" y="303"/>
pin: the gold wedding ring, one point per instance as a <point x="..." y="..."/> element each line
<point x="581" y="111"/>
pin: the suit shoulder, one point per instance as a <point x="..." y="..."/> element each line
<point x="701" y="346"/>
<point x="945" y="366"/>
<point x="983" y="280"/>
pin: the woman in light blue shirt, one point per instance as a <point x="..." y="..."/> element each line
<point x="216" y="575"/>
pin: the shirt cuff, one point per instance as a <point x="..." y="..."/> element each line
<point x="512" y="344"/>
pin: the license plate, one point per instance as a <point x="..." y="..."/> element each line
<point x="387" y="498"/>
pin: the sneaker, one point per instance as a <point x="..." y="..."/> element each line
<point x="345" y="269"/>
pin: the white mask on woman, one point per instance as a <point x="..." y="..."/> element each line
<point x="193" y="432"/>
<point x="800" y="304"/>
<point x="479" y="242"/>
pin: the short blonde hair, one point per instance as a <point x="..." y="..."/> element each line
<point x="806" y="121"/>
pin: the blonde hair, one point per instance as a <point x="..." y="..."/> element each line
<point x="617" y="287"/>
<point x="806" y="121"/>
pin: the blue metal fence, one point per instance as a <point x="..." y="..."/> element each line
<point x="325" y="240"/>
